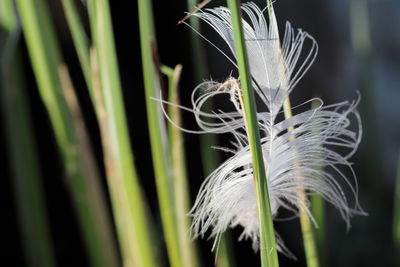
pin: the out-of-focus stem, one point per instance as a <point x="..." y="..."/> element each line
<point x="209" y="156"/>
<point x="22" y="150"/>
<point x="46" y="59"/>
<point x="179" y="181"/>
<point x="127" y="198"/>
<point x="307" y="230"/>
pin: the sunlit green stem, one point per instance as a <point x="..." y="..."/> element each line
<point x="126" y="194"/>
<point x="268" y="251"/>
<point x="46" y="60"/>
<point x="157" y="130"/>
<point x="80" y="40"/>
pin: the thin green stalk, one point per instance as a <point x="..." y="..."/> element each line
<point x="46" y="59"/>
<point x="180" y="181"/>
<point x="123" y="209"/>
<point x="318" y="212"/>
<point x="225" y="252"/>
<point x="307" y="230"/>
<point x="91" y="170"/>
<point x="126" y="194"/>
<point x="209" y="157"/>
<point x="305" y="223"/>
<point x="80" y="40"/>
<point x="158" y="132"/>
<point x="396" y="210"/>
<point x="268" y="251"/>
<point x="24" y="160"/>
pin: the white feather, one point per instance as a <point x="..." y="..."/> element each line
<point x="304" y="158"/>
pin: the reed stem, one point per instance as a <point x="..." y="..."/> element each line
<point x="268" y="251"/>
<point x="209" y="157"/>
<point x="307" y="230"/>
<point x="46" y="60"/>
<point x="158" y="134"/>
<point x="128" y="200"/>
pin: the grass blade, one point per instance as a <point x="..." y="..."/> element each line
<point x="157" y="132"/>
<point x="307" y="229"/>
<point x="91" y="171"/>
<point x="22" y="150"/>
<point x="80" y="40"/>
<point x="180" y="181"/>
<point x="46" y="59"/>
<point x="318" y="212"/>
<point x="209" y="157"/>
<point x="126" y="195"/>
<point x="268" y="251"/>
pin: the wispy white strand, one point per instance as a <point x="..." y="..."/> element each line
<point x="304" y="158"/>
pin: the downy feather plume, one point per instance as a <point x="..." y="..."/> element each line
<point x="303" y="158"/>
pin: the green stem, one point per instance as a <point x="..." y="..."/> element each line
<point x="318" y="212"/>
<point x="306" y="226"/>
<point x="126" y="194"/>
<point x="180" y="181"/>
<point x="158" y="132"/>
<point x="80" y="40"/>
<point x="268" y="251"/>
<point x="209" y="156"/>
<point x="46" y="59"/>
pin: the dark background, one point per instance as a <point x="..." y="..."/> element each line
<point x="342" y="67"/>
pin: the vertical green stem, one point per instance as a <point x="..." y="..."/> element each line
<point x="269" y="256"/>
<point x="158" y="132"/>
<point x="80" y="40"/>
<point x="209" y="156"/>
<point x="180" y="181"/>
<point x="123" y="182"/>
<point x="46" y="59"/>
<point x="307" y="230"/>
<point x="22" y="150"/>
<point x="318" y="212"/>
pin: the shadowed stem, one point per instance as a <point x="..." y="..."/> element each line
<point x="21" y="147"/>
